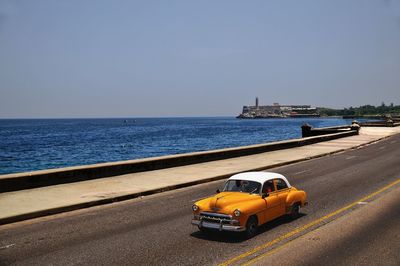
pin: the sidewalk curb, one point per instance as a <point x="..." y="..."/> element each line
<point x="37" y="214"/>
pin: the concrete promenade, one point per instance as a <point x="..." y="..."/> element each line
<point x="30" y="203"/>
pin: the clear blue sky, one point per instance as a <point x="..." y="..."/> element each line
<point x="78" y="58"/>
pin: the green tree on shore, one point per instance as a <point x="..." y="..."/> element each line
<point x="363" y="110"/>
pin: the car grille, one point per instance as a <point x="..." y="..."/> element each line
<point x="215" y="218"/>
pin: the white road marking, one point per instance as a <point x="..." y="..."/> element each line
<point x="301" y="172"/>
<point x="7" y="246"/>
<point x="351" y="157"/>
<point x="383" y="147"/>
<point x="393" y="141"/>
<point x="362" y="203"/>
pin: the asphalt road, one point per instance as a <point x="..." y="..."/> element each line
<point x="366" y="236"/>
<point x="156" y="230"/>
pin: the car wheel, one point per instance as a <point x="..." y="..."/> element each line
<point x="295" y="211"/>
<point x="251" y="227"/>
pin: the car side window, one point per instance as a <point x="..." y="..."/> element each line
<point x="268" y="187"/>
<point x="280" y="184"/>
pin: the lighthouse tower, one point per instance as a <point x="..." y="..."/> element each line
<point x="256" y="102"/>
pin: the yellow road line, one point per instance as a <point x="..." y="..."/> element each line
<point x="269" y="252"/>
<point x="304" y="227"/>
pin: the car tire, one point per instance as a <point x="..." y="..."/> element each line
<point x="251" y="227"/>
<point x="295" y="211"/>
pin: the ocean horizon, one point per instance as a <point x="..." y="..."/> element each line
<point x="29" y="144"/>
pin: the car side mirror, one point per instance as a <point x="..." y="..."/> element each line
<point x="218" y="191"/>
<point x="264" y="195"/>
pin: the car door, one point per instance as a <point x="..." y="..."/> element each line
<point x="271" y="201"/>
<point x="282" y="191"/>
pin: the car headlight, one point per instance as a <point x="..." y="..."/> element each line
<point x="195" y="208"/>
<point x="237" y="213"/>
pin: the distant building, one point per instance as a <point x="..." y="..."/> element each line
<point x="277" y="111"/>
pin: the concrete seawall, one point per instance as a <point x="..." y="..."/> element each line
<point x="309" y="131"/>
<point x="20" y="181"/>
<point x="389" y="123"/>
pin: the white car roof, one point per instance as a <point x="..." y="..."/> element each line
<point x="259" y="177"/>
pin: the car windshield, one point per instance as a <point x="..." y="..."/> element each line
<point x="242" y="186"/>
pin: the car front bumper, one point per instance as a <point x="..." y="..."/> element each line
<point x="218" y="226"/>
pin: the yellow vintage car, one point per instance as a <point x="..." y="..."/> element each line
<point x="248" y="200"/>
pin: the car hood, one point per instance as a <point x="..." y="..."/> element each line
<point x="227" y="202"/>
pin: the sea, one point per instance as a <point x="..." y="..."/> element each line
<point x="36" y="144"/>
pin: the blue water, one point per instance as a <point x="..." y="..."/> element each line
<point x="35" y="144"/>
